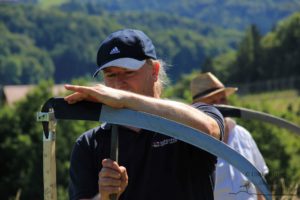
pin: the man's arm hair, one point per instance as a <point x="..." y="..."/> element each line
<point x="172" y="110"/>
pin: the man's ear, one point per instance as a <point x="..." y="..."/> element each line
<point x="156" y="68"/>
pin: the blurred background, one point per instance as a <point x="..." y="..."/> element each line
<point x="254" y="45"/>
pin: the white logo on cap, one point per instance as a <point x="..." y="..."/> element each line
<point x="114" y="51"/>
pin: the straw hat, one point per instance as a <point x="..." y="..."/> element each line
<point x="206" y="85"/>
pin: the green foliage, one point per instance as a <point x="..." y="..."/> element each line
<point x="181" y="42"/>
<point x="21" y="147"/>
<point x="221" y="65"/>
<point x="63" y="41"/>
<point x="282" y="48"/>
<point x="180" y="91"/>
<point x="52" y="3"/>
<point x="258" y="58"/>
<point x="21" y="61"/>
<point x="279" y="147"/>
<point x="229" y="14"/>
<point x="248" y="57"/>
<point x="71" y="39"/>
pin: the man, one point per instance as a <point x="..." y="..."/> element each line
<point x="230" y="183"/>
<point x="151" y="166"/>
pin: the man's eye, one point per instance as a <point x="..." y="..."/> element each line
<point x="110" y="75"/>
<point x="223" y="99"/>
<point x="129" y="72"/>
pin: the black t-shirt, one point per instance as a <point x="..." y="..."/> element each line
<point x="158" y="167"/>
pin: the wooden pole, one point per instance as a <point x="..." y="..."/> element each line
<point x="49" y="160"/>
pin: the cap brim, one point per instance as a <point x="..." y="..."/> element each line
<point x="127" y="63"/>
<point x="228" y="91"/>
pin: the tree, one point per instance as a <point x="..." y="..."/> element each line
<point x="247" y="67"/>
<point x="21" y="147"/>
<point x="21" y="61"/>
<point x="282" y="49"/>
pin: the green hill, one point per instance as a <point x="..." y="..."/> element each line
<point x="228" y="14"/>
<point x="65" y="36"/>
<point x="71" y="39"/>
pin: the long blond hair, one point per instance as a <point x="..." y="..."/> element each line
<point x="163" y="79"/>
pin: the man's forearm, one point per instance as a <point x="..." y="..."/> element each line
<point x="172" y="110"/>
<point x="176" y="111"/>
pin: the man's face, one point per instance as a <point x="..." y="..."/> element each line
<point x="219" y="98"/>
<point x="138" y="81"/>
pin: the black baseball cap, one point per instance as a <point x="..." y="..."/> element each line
<point x="127" y="48"/>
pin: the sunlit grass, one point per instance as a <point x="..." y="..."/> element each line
<point x="288" y="192"/>
<point x="277" y="97"/>
<point x="278" y="100"/>
<point x="48" y="4"/>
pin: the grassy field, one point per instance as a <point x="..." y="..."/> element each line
<point x="47" y="4"/>
<point x="284" y="104"/>
<point x="281" y="100"/>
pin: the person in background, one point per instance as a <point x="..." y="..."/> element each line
<point x="230" y="183"/>
<point x="151" y="166"/>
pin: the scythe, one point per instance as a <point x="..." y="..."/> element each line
<point x="98" y="112"/>
<point x="231" y="111"/>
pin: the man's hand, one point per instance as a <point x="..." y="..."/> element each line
<point x="98" y="93"/>
<point x="113" y="179"/>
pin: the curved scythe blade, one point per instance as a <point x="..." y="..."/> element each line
<point x="231" y="111"/>
<point x="188" y="135"/>
<point x="104" y="113"/>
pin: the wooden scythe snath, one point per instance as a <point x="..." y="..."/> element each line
<point x="98" y="112"/>
<point x="114" y="150"/>
<point x="49" y="158"/>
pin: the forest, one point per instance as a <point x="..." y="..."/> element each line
<point x="42" y="43"/>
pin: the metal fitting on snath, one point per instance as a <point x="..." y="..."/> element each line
<point x="49" y="117"/>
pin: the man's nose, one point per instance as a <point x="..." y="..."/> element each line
<point x="121" y="77"/>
